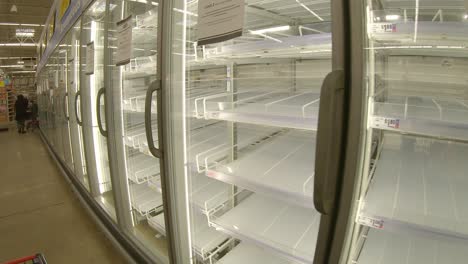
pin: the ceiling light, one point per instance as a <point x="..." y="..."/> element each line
<point x="392" y="17"/>
<point x="310" y="10"/>
<point x="17" y="44"/>
<point x="14" y="9"/>
<point x="20" y="62"/>
<point x="25" y="32"/>
<point x="465" y="16"/>
<point x="269" y="30"/>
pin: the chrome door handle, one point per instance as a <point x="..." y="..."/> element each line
<point x="329" y="142"/>
<point x="101" y="92"/>
<point x="78" y="120"/>
<point x="155" y="86"/>
<point x="65" y="107"/>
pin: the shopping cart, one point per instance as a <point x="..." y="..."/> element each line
<point x="34" y="259"/>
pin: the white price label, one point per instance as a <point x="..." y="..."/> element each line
<point x="219" y="20"/>
<point x="383" y="28"/>
<point x="371" y="222"/>
<point x="124" y="41"/>
<point x="385" y="122"/>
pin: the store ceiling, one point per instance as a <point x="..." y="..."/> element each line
<point x="33" y="12"/>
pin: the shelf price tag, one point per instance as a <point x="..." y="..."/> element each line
<point x="383" y="28"/>
<point x="124" y="41"/>
<point x="386" y="122"/>
<point x="219" y="20"/>
<point x="371" y="222"/>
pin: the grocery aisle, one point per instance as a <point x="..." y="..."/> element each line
<point x="39" y="212"/>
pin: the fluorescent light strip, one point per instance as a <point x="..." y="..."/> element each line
<point x="19" y="24"/>
<point x="269" y="30"/>
<point x="266" y="36"/>
<point x="22" y="72"/>
<point x="12" y="66"/>
<point x="18" y="44"/>
<point x="310" y="10"/>
<point x="416" y="18"/>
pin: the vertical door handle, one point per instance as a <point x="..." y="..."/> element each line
<point x="65" y="107"/>
<point x="78" y="120"/>
<point x="155" y="86"/>
<point x="329" y="142"/>
<point x="101" y="92"/>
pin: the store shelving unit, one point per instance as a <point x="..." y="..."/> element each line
<point x="386" y="247"/>
<point x="265" y="107"/>
<point x="144" y="199"/>
<point x="250" y="254"/>
<point x="422" y="115"/>
<point x="265" y="169"/>
<point x="412" y="208"/>
<point x="288" y="230"/>
<point x="419" y="182"/>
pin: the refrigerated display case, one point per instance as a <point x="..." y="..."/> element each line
<point x="72" y="44"/>
<point x="92" y="41"/>
<point x="250" y="109"/>
<point x="411" y="199"/>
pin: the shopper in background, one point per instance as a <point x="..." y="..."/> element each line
<point x="20" y="109"/>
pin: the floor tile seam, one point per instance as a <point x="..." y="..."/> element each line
<point x="45" y="207"/>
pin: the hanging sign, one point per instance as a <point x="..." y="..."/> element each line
<point x="219" y="20"/>
<point x="89" y="58"/>
<point x="124" y="41"/>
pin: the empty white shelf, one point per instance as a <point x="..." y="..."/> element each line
<point x="141" y="168"/>
<point x="157" y="222"/>
<point x="155" y="183"/>
<point x="285" y="229"/>
<point x="384" y="247"/>
<point x="206" y="240"/>
<point x="144" y="199"/>
<point x="429" y="33"/>
<point x="264" y="107"/>
<point x="135" y="137"/>
<point x="250" y="254"/>
<point x="422" y="115"/>
<point x="207" y="193"/>
<point x="213" y="141"/>
<point x="419" y="182"/>
<point x="282" y="168"/>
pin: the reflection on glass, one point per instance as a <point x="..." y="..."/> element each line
<point x="92" y="80"/>
<point x="130" y="82"/>
<point x="251" y="117"/>
<point x="413" y="194"/>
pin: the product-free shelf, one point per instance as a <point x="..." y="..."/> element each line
<point x="263" y="107"/>
<point x="283" y="229"/>
<point x="419" y="182"/>
<point x="422" y="115"/>
<point x="144" y="199"/>
<point x="141" y="168"/>
<point x="282" y="168"/>
<point x="412" y="247"/>
<point x="250" y="254"/>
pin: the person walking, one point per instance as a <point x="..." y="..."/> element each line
<point x="20" y="109"/>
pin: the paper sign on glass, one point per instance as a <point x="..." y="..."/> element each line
<point x="219" y="20"/>
<point x="89" y="58"/>
<point x="124" y="41"/>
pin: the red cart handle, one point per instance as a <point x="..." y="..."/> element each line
<point x="21" y="260"/>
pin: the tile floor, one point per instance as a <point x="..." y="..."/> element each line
<point x="39" y="212"/>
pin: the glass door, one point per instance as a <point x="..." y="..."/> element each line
<point x="92" y="104"/>
<point x="250" y="100"/>
<point x="62" y="58"/>
<point x="134" y="78"/>
<point x="412" y="199"/>
<point x="74" y="105"/>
